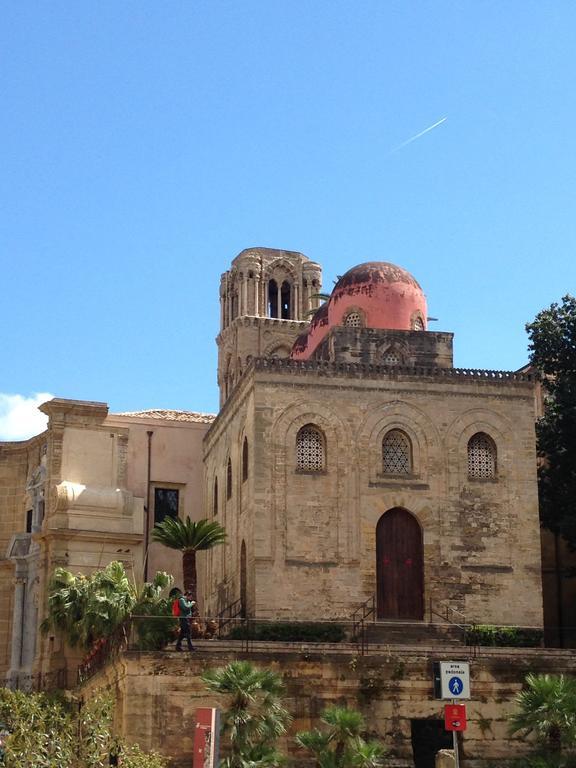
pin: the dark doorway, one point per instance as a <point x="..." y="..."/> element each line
<point x="243" y="609"/>
<point x="428" y="738"/>
<point x="399" y="566"/>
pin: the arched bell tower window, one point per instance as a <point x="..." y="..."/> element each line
<point x="353" y="320"/>
<point x="310" y="449"/>
<point x="286" y="300"/>
<point x="272" y="298"/>
<point x="396" y="453"/>
<point x="229" y="480"/>
<point x="245" y="460"/>
<point x="481" y="457"/>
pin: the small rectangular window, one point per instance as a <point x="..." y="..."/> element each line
<point x="166" y="502"/>
<point x="29" y="521"/>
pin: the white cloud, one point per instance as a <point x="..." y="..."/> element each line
<point x="20" y="417"/>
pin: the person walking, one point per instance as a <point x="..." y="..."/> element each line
<point x="186" y="606"/>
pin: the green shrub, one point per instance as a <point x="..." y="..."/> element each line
<point x="305" y="632"/>
<point x="504" y="637"/>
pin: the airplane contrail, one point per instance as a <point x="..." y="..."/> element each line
<point x="417" y="136"/>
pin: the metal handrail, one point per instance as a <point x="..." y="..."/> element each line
<point x="359" y="616"/>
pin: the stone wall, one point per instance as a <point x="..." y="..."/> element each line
<point x="158" y="693"/>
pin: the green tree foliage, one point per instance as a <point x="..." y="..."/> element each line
<point x="553" y="352"/>
<point x="547" y="710"/>
<point x="253" y="716"/>
<point x="189" y="538"/>
<point x="87" y="608"/>
<point x="340" y="743"/>
<point x="47" y="731"/>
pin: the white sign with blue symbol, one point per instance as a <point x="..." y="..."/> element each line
<point x="455" y="679"/>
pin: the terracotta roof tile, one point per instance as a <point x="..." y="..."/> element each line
<point x="171" y="415"/>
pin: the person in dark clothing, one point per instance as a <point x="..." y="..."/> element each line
<point x="186" y="605"/>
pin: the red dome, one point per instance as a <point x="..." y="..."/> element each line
<point x="373" y="295"/>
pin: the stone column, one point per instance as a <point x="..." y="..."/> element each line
<point x="279" y="300"/>
<point x="17" y="626"/>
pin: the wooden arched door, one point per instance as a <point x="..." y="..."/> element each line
<point x="399" y="566"/>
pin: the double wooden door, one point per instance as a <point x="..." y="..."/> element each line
<point x="399" y="566"/>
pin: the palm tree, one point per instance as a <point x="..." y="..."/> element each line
<point x="254" y="716"/>
<point x="88" y="608"/>
<point x="189" y="537"/>
<point x="547" y="710"/>
<point x="341" y="745"/>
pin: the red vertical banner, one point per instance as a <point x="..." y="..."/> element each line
<point x="206" y="738"/>
<point x="455" y="717"/>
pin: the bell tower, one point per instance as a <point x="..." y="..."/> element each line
<point x="265" y="301"/>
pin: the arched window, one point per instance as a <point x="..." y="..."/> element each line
<point x="215" y="497"/>
<point x="310" y="449"/>
<point x="396" y="453"/>
<point x="353" y="320"/>
<point x="285" y="300"/>
<point x="245" y="460"/>
<point x="418" y="324"/>
<point x="481" y="457"/>
<point x="229" y="480"/>
<point x="273" y="299"/>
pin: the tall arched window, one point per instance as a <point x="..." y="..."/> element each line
<point x="481" y="457"/>
<point x="285" y="300"/>
<point x="272" y="299"/>
<point x="229" y="479"/>
<point x="310" y="449"/>
<point x="245" y="460"/>
<point x="215" y="497"/>
<point x="396" y="453"/>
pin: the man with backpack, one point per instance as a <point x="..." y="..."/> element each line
<point x="182" y="607"/>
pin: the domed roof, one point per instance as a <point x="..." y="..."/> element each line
<point x="375" y="272"/>
<point x="375" y="294"/>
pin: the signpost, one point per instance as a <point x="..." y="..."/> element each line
<point x="452" y="681"/>
<point x="207" y="738"/>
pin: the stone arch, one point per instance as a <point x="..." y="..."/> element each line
<point x="498" y="428"/>
<point x="415" y="423"/>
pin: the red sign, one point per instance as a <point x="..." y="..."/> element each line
<point x="455" y="717"/>
<point x="206" y="738"/>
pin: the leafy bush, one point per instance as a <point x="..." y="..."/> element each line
<point x="305" y="632"/>
<point x="47" y="731"/>
<point x="502" y="637"/>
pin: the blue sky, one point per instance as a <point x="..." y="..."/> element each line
<point x="144" y="144"/>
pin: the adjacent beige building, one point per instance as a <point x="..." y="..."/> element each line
<point x="80" y="495"/>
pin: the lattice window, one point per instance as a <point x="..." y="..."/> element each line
<point x="418" y="324"/>
<point x="396" y="453"/>
<point x="310" y="449"/>
<point x="481" y="457"/>
<point x="391" y="358"/>
<point x="353" y="320"/>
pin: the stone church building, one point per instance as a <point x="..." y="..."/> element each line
<point x="350" y="459"/>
